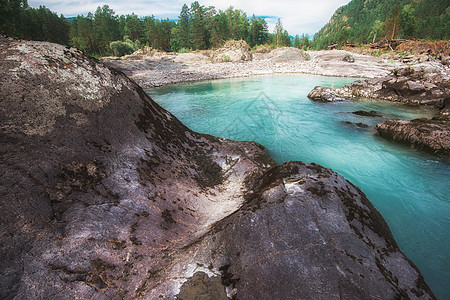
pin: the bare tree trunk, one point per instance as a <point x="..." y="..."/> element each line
<point x="393" y="29"/>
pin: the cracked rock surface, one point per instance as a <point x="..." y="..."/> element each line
<point x="105" y="195"/>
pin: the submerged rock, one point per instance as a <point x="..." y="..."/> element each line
<point x="106" y="195"/>
<point x="429" y="135"/>
<point x="425" y="84"/>
<point x="359" y="124"/>
<point x="324" y="94"/>
<point x="365" y="113"/>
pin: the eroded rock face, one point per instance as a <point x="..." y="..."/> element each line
<point x="429" y="135"/>
<point x="105" y="195"/>
<point x="232" y="51"/>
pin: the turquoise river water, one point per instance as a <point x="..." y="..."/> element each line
<point x="410" y="189"/>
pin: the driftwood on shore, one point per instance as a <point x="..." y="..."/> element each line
<point x="385" y="44"/>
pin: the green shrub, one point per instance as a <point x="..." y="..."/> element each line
<point x="306" y="56"/>
<point x="120" y="48"/>
<point x="226" y="58"/>
<point x="183" y="50"/>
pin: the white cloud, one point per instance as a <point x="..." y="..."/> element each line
<point x="298" y="16"/>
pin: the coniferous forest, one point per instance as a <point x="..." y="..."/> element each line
<point x="103" y="33"/>
<point x="368" y="21"/>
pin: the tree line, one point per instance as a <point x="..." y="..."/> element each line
<point x="198" y="28"/>
<point x="103" y="33"/>
<point x="19" y="20"/>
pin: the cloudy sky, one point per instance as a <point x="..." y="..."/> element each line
<point x="298" y="16"/>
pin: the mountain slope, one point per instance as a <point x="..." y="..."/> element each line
<point x="365" y="21"/>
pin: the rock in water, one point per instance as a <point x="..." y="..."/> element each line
<point x="324" y="94"/>
<point x="429" y="135"/>
<point x="105" y="195"/>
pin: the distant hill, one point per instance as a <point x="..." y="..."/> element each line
<point x="365" y="21"/>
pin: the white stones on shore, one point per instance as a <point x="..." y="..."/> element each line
<point x="178" y="68"/>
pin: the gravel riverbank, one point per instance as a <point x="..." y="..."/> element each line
<point x="170" y="68"/>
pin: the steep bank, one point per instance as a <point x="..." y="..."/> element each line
<point x="108" y="196"/>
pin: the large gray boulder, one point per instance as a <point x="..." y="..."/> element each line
<point x="286" y="55"/>
<point x="101" y="186"/>
<point x="324" y="94"/>
<point x="105" y="195"/>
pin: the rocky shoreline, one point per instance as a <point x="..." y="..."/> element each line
<point x="105" y="195"/>
<point x="169" y="68"/>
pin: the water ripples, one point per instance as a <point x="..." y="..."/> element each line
<point x="409" y="188"/>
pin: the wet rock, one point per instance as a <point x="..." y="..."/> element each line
<point x="232" y="51"/>
<point x="324" y="94"/>
<point x="106" y="195"/>
<point x="430" y="135"/>
<point x="444" y="113"/>
<point x="364" y="113"/>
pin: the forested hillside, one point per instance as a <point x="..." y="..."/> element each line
<point x="367" y="21"/>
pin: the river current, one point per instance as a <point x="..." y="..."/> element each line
<point x="410" y="188"/>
